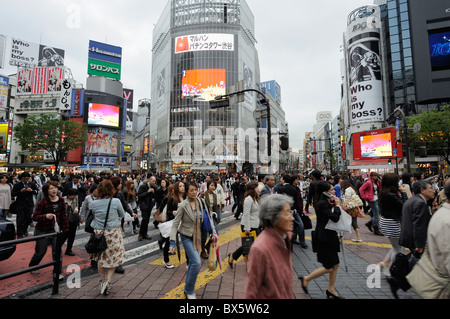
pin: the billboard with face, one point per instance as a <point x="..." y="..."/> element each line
<point x="364" y="71"/>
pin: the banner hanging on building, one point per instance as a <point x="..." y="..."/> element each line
<point x="25" y="53"/>
<point x="40" y="81"/>
<point x="204" y="42"/>
<point x="364" y="66"/>
<point x="4" y="88"/>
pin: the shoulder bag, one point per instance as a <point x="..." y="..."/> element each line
<point x="97" y="242"/>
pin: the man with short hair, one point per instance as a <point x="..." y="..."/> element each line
<point x="416" y="215"/>
<point x="146" y="195"/>
<point x="269" y="184"/>
<point x="24" y="191"/>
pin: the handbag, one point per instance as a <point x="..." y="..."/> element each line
<point x="71" y="216"/>
<point x="247" y="241"/>
<point x="206" y="222"/>
<point x="97" y="242"/>
<point x="306" y="221"/>
<point x="344" y="223"/>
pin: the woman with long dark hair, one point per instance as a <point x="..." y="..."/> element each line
<point x="250" y="217"/>
<point x="174" y="199"/>
<point x="327" y="208"/>
<point x="391" y="201"/>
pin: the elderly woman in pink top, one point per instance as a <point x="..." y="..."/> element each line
<point x="269" y="270"/>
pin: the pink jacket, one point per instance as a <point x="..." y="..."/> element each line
<point x="366" y="190"/>
<point x="269" y="270"/>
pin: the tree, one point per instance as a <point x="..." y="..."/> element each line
<point x="434" y="132"/>
<point x="49" y="133"/>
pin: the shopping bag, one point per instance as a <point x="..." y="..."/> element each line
<point x="165" y="228"/>
<point x="344" y="223"/>
<point x="212" y="257"/>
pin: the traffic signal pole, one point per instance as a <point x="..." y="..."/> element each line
<point x="221" y="102"/>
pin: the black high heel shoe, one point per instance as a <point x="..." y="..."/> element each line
<point x="230" y="261"/>
<point x="333" y="296"/>
<point x="305" y="288"/>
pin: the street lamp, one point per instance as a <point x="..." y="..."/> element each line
<point x="330" y="150"/>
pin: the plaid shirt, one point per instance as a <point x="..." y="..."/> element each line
<point x="45" y="207"/>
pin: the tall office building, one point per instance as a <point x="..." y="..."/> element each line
<point x="200" y="50"/>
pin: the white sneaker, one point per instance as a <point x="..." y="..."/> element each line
<point x="168" y="266"/>
<point x="190" y="296"/>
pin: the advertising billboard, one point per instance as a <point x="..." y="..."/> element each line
<point x="31" y="54"/>
<point x="4" y="88"/>
<point x="104" y="60"/>
<point x="203" y="84"/>
<point x="40" y="80"/>
<point x="439" y="49"/>
<point x="377" y="144"/>
<point x="204" y="42"/>
<point x="103" y="115"/>
<point x="102" y="141"/>
<point x="364" y="70"/>
<point x="128" y="96"/>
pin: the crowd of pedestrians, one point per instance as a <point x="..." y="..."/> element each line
<point x="272" y="207"/>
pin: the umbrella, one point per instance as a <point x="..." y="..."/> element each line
<point x="341" y="236"/>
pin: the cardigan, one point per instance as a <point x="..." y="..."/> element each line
<point x="100" y="207"/>
<point x="250" y="214"/>
<point x="269" y="270"/>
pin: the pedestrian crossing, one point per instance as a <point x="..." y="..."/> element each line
<point x="134" y="248"/>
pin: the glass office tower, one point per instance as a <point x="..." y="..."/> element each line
<point x="200" y="50"/>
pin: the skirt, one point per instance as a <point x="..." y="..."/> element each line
<point x="114" y="255"/>
<point x="390" y="227"/>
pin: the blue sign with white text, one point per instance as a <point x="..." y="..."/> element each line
<point x="105" y="52"/>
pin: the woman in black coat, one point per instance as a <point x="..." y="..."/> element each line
<point x="327" y="241"/>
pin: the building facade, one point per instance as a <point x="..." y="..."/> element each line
<point x="200" y="51"/>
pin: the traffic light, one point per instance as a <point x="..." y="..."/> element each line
<point x="215" y="104"/>
<point x="284" y="143"/>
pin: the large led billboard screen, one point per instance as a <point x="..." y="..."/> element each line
<point x="376" y="144"/>
<point x="101" y="141"/>
<point x="203" y="84"/>
<point x="439" y="49"/>
<point x="103" y="115"/>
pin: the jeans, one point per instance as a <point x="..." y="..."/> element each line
<point x="375" y="212"/>
<point x="194" y="264"/>
<point x="299" y="228"/>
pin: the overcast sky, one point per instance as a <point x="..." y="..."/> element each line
<point x="299" y="44"/>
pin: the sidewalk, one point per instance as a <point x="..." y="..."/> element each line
<point x="149" y="279"/>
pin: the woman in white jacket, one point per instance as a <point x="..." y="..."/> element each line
<point x="250" y="217"/>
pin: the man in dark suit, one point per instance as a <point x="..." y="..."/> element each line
<point x="24" y="192"/>
<point x="299" y="229"/>
<point x="78" y="185"/>
<point x="269" y="184"/>
<point x="416" y="215"/>
<point x="146" y="195"/>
